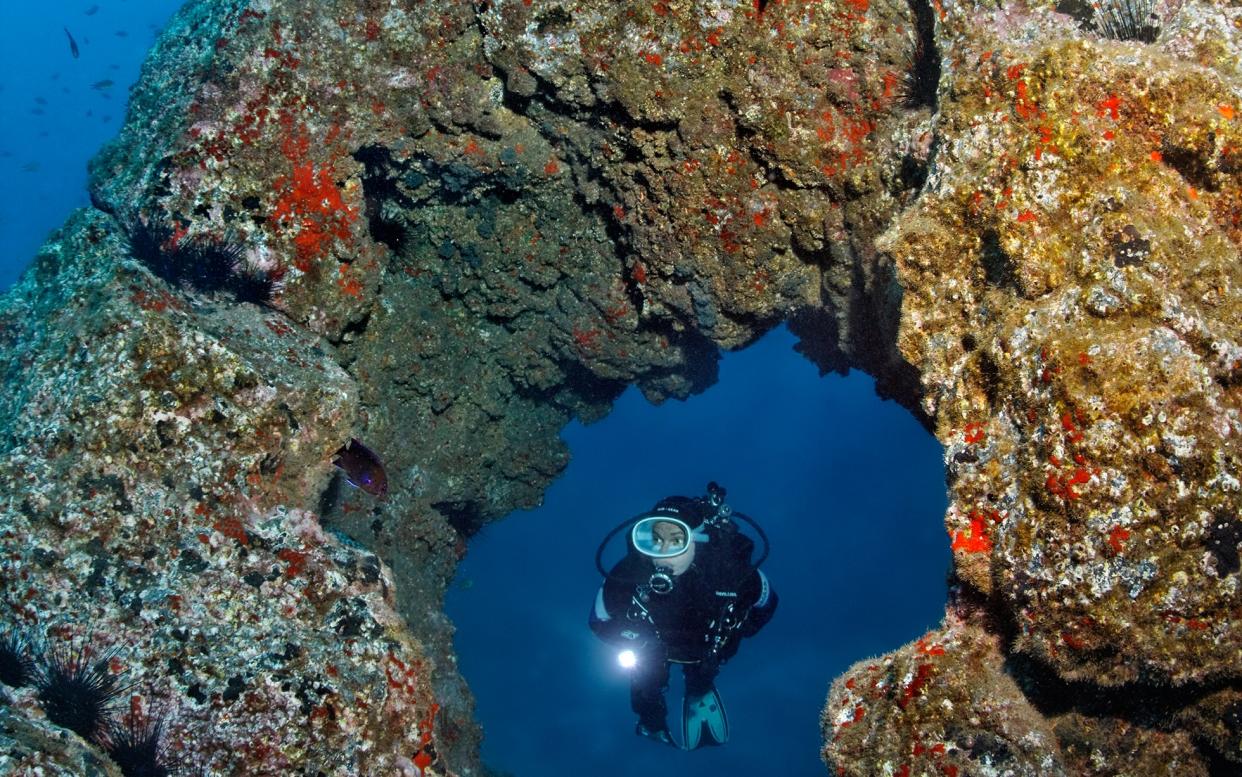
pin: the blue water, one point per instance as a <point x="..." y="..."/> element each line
<point x="849" y="488"/>
<point x="44" y="146"/>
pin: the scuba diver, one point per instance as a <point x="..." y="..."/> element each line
<point x="686" y="593"/>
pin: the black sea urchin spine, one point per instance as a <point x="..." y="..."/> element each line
<point x="135" y="746"/>
<point x="1127" y="20"/>
<point x="77" y="693"/>
<point x="253" y="286"/>
<point x="151" y="244"/>
<point x="205" y="265"/>
<point x="208" y="266"/>
<point x="17" y="658"/>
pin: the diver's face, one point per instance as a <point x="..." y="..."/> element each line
<point x="669" y="537"/>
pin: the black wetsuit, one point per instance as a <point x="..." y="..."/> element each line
<point x="719" y="600"/>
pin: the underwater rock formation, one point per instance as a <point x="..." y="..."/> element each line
<point x="1071" y="276"/>
<point x="479" y="221"/>
<point x="159" y="447"/>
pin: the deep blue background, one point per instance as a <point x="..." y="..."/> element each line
<point x="849" y="488"/>
<point x="44" y="147"/>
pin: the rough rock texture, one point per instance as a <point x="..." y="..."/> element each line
<point x="951" y="703"/>
<point x="1072" y="304"/>
<point x="32" y="746"/>
<point x="483" y="220"/>
<point x="156" y="447"/>
<point x="1071" y="273"/>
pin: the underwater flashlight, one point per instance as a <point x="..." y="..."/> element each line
<point x="628" y="659"/>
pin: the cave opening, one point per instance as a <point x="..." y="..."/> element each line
<point x="848" y="487"/>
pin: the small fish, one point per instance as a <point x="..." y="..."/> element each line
<point x="91" y="11"/>
<point x="104" y="84"/>
<point x="362" y="468"/>
<point x="122" y="34"/>
<point x="40" y="101"/>
<point x="73" y="44"/>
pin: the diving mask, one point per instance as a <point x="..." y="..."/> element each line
<point x="661" y="536"/>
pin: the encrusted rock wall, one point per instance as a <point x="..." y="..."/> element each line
<point x="1071" y="275"/>
<point x="482" y="220"/>
<point x="1072" y="303"/>
<point x="159" y="452"/>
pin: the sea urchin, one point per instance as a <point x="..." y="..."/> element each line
<point x="77" y="693"/>
<point x="135" y="746"/>
<point x="205" y="265"/>
<point x="17" y="663"/>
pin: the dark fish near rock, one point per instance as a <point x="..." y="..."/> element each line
<point x="362" y="468"/>
<point x="73" y="44"/>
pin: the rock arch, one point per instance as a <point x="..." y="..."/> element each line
<point x="485" y="220"/>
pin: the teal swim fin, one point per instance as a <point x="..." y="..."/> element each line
<point x="704" y="721"/>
